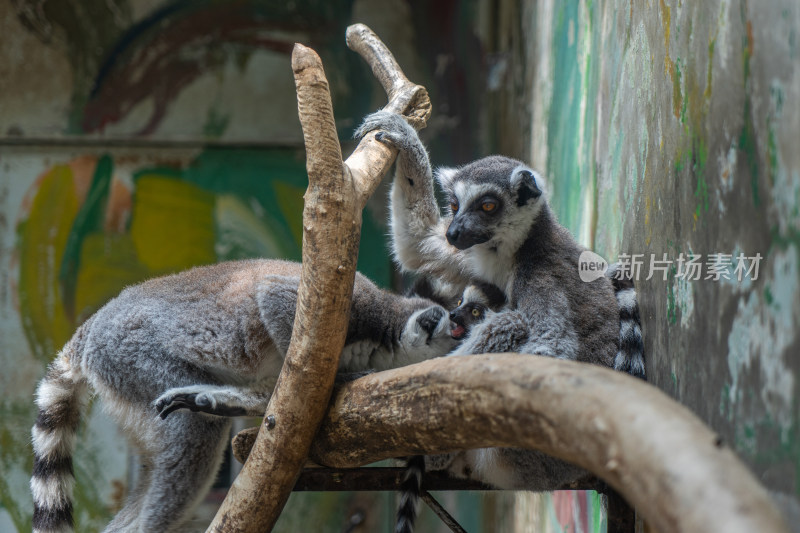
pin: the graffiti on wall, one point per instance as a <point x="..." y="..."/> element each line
<point x="191" y="69"/>
<point x="91" y="224"/>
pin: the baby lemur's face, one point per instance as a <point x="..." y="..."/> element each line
<point x="464" y="316"/>
<point x="475" y="304"/>
<point x="490" y="200"/>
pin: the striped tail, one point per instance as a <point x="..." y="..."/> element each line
<point x="410" y="491"/>
<point x="61" y="396"/>
<point x="630" y="357"/>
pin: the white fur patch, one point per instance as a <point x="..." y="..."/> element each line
<point x="627" y="299"/>
<point x="356" y="356"/>
<point x="493" y="266"/>
<point x="629" y="329"/>
<point x="53" y="492"/>
<point x="137" y="425"/>
<point x="473" y="294"/>
<point x="444" y="176"/>
<point x="56" y="443"/>
<point x="469" y="192"/>
<point x="53" y="392"/>
<point x="488" y="467"/>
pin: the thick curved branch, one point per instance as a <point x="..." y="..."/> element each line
<point x="675" y="471"/>
<point x="405" y="97"/>
<point x="337" y="192"/>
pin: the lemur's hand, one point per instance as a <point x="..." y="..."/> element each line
<point x="394" y="130"/>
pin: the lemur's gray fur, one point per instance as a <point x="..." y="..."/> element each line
<point x="209" y="341"/>
<point x="500" y="229"/>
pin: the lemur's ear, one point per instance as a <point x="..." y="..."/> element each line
<point x="445" y="175"/>
<point x="527" y="184"/>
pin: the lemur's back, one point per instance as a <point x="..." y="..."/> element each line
<point x="206" y="316"/>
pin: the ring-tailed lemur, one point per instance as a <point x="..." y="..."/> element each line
<point x="477" y="303"/>
<point x="500" y="229"/>
<point x="212" y="340"/>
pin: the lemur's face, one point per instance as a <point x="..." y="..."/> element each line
<point x="490" y="199"/>
<point x="464" y="316"/>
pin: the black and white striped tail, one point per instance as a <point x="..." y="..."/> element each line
<point x="60" y="397"/>
<point x="630" y="357"/>
<point x="410" y="491"/>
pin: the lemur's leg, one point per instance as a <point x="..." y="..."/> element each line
<point x="276" y="297"/>
<point x="177" y="474"/>
<point x="214" y="400"/>
<point x="418" y="230"/>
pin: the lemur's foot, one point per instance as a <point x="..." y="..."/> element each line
<point x="431" y="320"/>
<point x="204" y="402"/>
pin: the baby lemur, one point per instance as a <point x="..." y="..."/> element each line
<point x="499" y="229"/>
<point x="209" y="341"/>
<point x="477" y="302"/>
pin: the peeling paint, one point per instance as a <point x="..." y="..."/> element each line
<point x="726" y="162"/>
<point x="683" y="291"/>
<point x="760" y="335"/>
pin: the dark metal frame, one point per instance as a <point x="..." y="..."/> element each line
<point x="621" y="517"/>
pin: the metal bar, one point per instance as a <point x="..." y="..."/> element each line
<point x="375" y="479"/>
<point x="442" y="513"/>
<point x="390" y="478"/>
<point x="621" y="516"/>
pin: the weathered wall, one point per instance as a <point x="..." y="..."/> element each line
<point x="140" y="137"/>
<point x="672" y="127"/>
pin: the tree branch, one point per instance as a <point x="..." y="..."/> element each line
<point x="674" y="470"/>
<point x="337" y="192"/>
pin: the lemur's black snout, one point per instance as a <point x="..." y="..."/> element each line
<point x="453" y="233"/>
<point x="464" y="233"/>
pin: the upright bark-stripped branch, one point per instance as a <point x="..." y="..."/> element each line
<point x="337" y="193"/>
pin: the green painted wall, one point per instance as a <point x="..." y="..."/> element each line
<point x="672" y="127"/>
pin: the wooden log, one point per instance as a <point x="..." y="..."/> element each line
<point x="674" y="470"/>
<point x="337" y="193"/>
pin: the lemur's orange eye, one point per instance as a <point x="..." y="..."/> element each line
<point x="454" y="206"/>
<point x="476" y="313"/>
<point x="488" y="207"/>
<point x="458" y="304"/>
